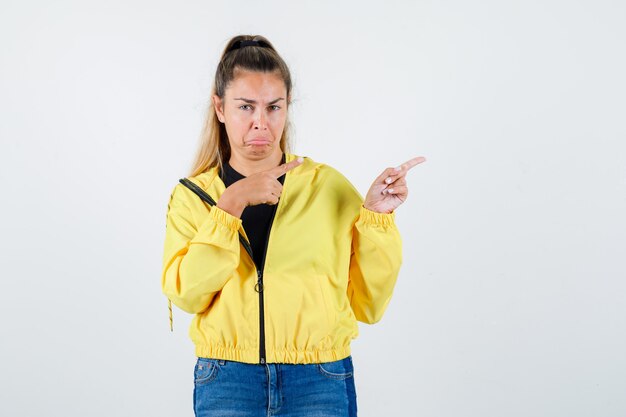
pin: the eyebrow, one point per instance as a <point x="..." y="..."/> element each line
<point x="247" y="100"/>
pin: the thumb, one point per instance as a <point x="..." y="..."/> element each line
<point x="282" y="169"/>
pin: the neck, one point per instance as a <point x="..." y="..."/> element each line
<point x="247" y="167"/>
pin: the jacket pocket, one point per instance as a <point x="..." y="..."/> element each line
<point x="330" y="306"/>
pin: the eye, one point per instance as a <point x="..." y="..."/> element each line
<point x="275" y="107"/>
<point x="245" y="105"/>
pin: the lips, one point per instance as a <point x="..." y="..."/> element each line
<point x="258" y="141"/>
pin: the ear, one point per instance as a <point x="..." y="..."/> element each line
<point x="218" y="105"/>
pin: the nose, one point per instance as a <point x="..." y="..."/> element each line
<point x="259" y="120"/>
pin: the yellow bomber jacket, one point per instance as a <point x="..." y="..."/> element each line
<point x="329" y="262"/>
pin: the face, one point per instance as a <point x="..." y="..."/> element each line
<point x="254" y="111"/>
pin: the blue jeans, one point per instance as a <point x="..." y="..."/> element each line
<point x="236" y="389"/>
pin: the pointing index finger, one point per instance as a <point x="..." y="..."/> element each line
<point x="282" y="169"/>
<point x="410" y="164"/>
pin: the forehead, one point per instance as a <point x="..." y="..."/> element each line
<point x="256" y="85"/>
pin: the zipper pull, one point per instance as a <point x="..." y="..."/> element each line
<point x="258" y="287"/>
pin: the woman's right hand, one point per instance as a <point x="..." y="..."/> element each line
<point x="260" y="188"/>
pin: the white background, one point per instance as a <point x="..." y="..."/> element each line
<point x="511" y="297"/>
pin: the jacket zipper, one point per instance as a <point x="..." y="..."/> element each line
<point x="258" y="287"/>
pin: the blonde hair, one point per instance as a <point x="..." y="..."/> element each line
<point x="214" y="147"/>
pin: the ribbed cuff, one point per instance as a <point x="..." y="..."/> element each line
<point x="372" y="217"/>
<point x="225" y="218"/>
<point x="216" y="220"/>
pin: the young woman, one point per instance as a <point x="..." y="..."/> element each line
<point x="276" y="255"/>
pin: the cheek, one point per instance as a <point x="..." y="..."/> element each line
<point x="239" y="118"/>
<point x="278" y="119"/>
<point x="237" y="125"/>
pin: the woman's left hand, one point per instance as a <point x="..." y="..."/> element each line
<point x="389" y="190"/>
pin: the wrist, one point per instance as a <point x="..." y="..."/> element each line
<point x="372" y="209"/>
<point x="368" y="206"/>
<point x="230" y="205"/>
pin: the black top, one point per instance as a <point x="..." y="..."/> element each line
<point x="257" y="219"/>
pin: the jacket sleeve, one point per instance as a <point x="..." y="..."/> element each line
<point x="374" y="264"/>
<point x="197" y="260"/>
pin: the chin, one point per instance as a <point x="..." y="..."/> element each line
<point x="261" y="151"/>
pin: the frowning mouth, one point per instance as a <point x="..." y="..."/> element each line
<point x="258" y="142"/>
